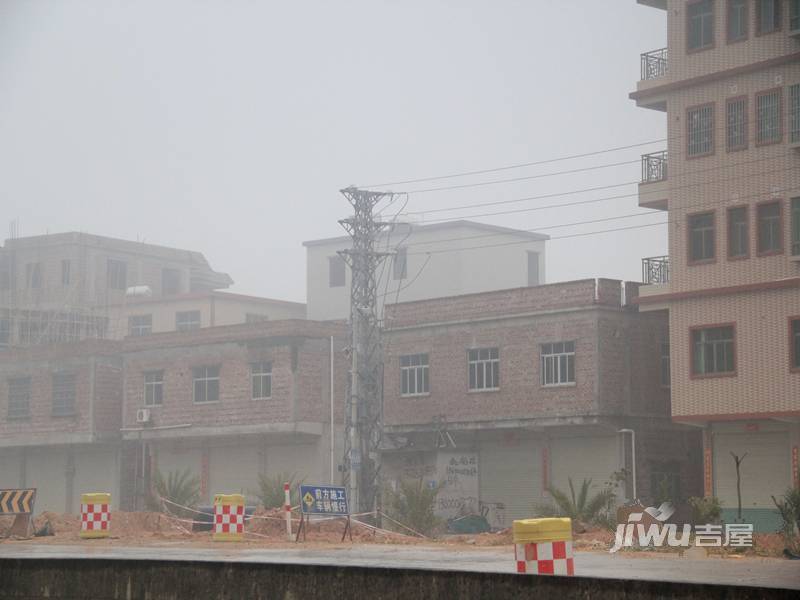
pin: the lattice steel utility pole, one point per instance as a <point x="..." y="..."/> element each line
<point x="364" y="400"/>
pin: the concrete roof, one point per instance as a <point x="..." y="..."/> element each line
<point x="449" y="225"/>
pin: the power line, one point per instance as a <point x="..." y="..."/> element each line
<point x="517" y="166"/>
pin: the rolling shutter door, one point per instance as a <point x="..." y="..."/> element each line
<point x="234" y="470"/>
<point x="511" y="474"/>
<point x="96" y="470"/>
<point x="580" y="458"/>
<point x="46" y="470"/>
<point x="764" y="471"/>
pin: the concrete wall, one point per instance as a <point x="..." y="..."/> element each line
<point x="77" y="579"/>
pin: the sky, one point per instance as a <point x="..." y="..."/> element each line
<point x="228" y="127"/>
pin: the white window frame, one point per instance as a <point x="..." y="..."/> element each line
<point x="187" y="324"/>
<point x="261" y="372"/>
<point x="483" y="369"/>
<point x="154" y="388"/>
<point x="415" y="369"/>
<point x="205" y="375"/>
<point x="138" y="329"/>
<point x="556" y="360"/>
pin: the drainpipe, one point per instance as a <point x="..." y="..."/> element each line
<point x="331" y="433"/>
<point x="633" y="458"/>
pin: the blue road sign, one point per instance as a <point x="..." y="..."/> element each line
<point x="323" y="500"/>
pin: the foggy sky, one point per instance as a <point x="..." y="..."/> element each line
<point x="228" y="126"/>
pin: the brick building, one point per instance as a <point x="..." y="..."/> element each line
<point x="61" y="419"/>
<point x="502" y="394"/>
<point x="229" y="402"/>
<point x="729" y="86"/>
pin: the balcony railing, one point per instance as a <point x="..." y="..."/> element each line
<point x="655" y="269"/>
<point x="654" y="166"/>
<point x="654" y="64"/>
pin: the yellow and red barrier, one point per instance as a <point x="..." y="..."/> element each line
<point x="543" y="546"/>
<point x="95" y="515"/>
<point x="228" y="518"/>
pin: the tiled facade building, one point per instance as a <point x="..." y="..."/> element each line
<point x="729" y="86"/>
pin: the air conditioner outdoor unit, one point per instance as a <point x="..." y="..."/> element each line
<point x="143" y="415"/>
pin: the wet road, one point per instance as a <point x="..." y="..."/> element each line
<point x="749" y="571"/>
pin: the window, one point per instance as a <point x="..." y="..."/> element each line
<point x="63" y="394"/>
<point x="484" y="369"/>
<point x="736" y="124"/>
<point x="700" y="25"/>
<point x="558" y="363"/>
<point x="768" y="16"/>
<point x="794" y="334"/>
<point x="794" y="113"/>
<point x="5" y="332"/>
<point x="336" y="271"/>
<point x="768" y="117"/>
<point x="187" y="320"/>
<point x="255" y="318"/>
<point x="6" y="273"/>
<point x="738" y="233"/>
<point x="261" y="377"/>
<point x="770" y="238"/>
<point x="66" y="266"/>
<point x="700" y="130"/>
<point x="19" y="398"/>
<point x="33" y="275"/>
<point x="665" y="367"/>
<point x="170" y="282"/>
<point x="701" y="237"/>
<point x="205" y="381"/>
<point x="117" y="274"/>
<point x="794" y="15"/>
<point x="713" y="350"/>
<point x="533" y="268"/>
<point x="139" y="325"/>
<point x="154" y="388"/>
<point x="795" y="226"/>
<point x="737" y="20"/>
<point x="414" y="375"/>
<point x="400" y="264"/>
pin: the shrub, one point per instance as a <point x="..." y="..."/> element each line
<point x="584" y="508"/>
<point x="270" y="489"/>
<point x="705" y="511"/>
<point x="789" y="507"/>
<point x="412" y="504"/>
<point x="180" y="487"/>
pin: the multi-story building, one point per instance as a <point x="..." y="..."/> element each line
<point x="230" y="402"/>
<point x="71" y="286"/>
<point x="60" y="419"/>
<point x="502" y="394"/>
<point x="728" y="83"/>
<point x="442" y="259"/>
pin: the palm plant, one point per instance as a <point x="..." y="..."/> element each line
<point x="580" y="507"/>
<point x="270" y="489"/>
<point x="412" y="504"/>
<point x="179" y="487"/>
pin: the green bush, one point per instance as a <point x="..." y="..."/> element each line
<point x="412" y="504"/>
<point x="180" y="487"/>
<point x="582" y="507"/>
<point x="789" y="507"/>
<point x="270" y="489"/>
<point x="705" y="511"/>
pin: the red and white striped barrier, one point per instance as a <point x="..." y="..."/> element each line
<point x="545" y="558"/>
<point x="287" y="510"/>
<point x="95" y="515"/>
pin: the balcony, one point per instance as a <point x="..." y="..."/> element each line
<point x="655" y="270"/>
<point x="653" y="187"/>
<point x="654" y="64"/>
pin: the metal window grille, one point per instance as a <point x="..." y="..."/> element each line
<point x="484" y="369"/>
<point x="139" y="325"/>
<point x="64" y="394"/>
<point x="261" y="378"/>
<point x="700" y="123"/>
<point x="738" y="234"/>
<point x="558" y="363"/>
<point x="701" y="235"/>
<point x="19" y="398"/>
<point x="414" y="375"/>
<point x="205" y="381"/>
<point x="768" y="120"/>
<point x="769" y="227"/>
<point x="712" y="350"/>
<point x="794" y="113"/>
<point x="736" y="124"/>
<point x="154" y="388"/>
<point x="187" y="320"/>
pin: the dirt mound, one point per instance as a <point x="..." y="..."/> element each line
<point x="123" y="525"/>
